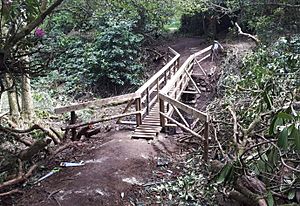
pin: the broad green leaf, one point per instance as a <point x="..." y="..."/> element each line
<point x="285" y="116"/>
<point x="277" y="121"/>
<point x="283" y="139"/>
<point x="270" y="199"/>
<point x="292" y="194"/>
<point x="224" y="173"/>
<point x="295" y="135"/>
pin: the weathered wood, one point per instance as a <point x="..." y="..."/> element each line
<point x="201" y="68"/>
<point x="189" y="92"/>
<point x="193" y="82"/>
<point x="127" y="122"/>
<point x="100" y="120"/>
<point x="207" y="49"/>
<point x="138" y="107"/>
<point x="162" y="110"/>
<point x="177" y="75"/>
<point x="101" y="102"/>
<point x="159" y="73"/>
<point x="181" y="116"/>
<point x="126" y="109"/>
<point x="142" y="137"/>
<point x="206" y="139"/>
<point x="182" y="126"/>
<point x="188" y="109"/>
<point x="72" y="122"/>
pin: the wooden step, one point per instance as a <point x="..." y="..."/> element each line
<point x="147" y="132"/>
<point x="147" y="137"/>
<point x="154" y="134"/>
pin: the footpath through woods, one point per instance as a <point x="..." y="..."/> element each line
<point x="116" y="165"/>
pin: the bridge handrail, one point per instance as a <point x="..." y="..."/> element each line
<point x="184" y="67"/>
<point x="158" y="74"/>
<point x="100" y="102"/>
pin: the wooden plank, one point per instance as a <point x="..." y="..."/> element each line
<point x="138" y="106"/>
<point x="207" y="49"/>
<point x="202" y="59"/>
<point x="182" y="126"/>
<point x="201" y="67"/>
<point x="188" y="109"/>
<point x="126" y="109"/>
<point x="189" y="92"/>
<point x="73" y="121"/>
<point x="162" y="110"/>
<point x="101" y="120"/>
<point x="186" y="65"/>
<point x="101" y="102"/>
<point x="193" y="82"/>
<point x="142" y="137"/>
<point x="181" y="116"/>
<point x="206" y="141"/>
<point x="145" y="133"/>
<point x="159" y="73"/>
<point x="127" y="122"/>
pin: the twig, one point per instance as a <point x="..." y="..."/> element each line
<point x="235" y="125"/>
<point x="218" y="142"/>
<point x="53" y="193"/>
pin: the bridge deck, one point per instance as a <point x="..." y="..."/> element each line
<point x="150" y="127"/>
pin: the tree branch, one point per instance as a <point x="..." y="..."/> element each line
<point x="240" y="32"/>
<point x="31" y="26"/>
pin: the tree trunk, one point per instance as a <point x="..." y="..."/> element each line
<point x="27" y="102"/>
<point x="12" y="98"/>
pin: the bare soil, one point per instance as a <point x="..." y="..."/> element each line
<point x="115" y="165"/>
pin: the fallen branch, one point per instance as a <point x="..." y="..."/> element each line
<point x="254" y="123"/>
<point x="240" y="32"/>
<point x="21" y="177"/>
<point x="235" y="128"/>
<point x="10" y="192"/>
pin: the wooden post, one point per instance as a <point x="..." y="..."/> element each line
<point x="73" y="121"/>
<point x="162" y="110"/>
<point x="206" y="140"/>
<point x="165" y="76"/>
<point x="147" y="100"/>
<point x="138" y="107"/>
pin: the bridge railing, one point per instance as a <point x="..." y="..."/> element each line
<point x="148" y="92"/>
<point x="142" y="100"/>
<point x="169" y="99"/>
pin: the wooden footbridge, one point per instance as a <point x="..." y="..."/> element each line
<point x="151" y="109"/>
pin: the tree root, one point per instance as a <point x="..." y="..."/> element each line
<point x="246" y="189"/>
<point x="53" y="135"/>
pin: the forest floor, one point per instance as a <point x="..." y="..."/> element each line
<point x="116" y="166"/>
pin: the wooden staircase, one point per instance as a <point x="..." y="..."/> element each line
<point x="150" y="127"/>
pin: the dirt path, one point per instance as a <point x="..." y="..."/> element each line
<point x="114" y="163"/>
